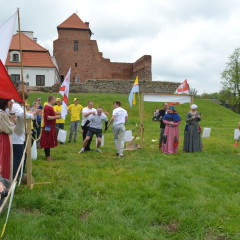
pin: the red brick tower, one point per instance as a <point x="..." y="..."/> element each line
<point x="74" y="48"/>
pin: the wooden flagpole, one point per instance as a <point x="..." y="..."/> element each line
<point x="21" y="63"/>
<point x="142" y="119"/>
<point x="27" y="126"/>
<point x="139" y="102"/>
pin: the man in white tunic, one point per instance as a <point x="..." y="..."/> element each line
<point x="119" y="117"/>
<point x="18" y="136"/>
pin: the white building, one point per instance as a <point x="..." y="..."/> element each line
<point x="39" y="68"/>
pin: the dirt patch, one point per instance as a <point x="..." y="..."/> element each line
<point x="171" y="227"/>
<point x="214" y="236"/>
<point x="85" y="215"/>
<point x="27" y="210"/>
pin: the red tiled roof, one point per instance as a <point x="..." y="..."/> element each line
<point x="73" y="22"/>
<point x="26" y="42"/>
<point x="33" y="59"/>
<point x="34" y="55"/>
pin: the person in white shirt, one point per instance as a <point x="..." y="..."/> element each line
<point x="18" y="136"/>
<point x="119" y="117"/>
<point x="94" y="124"/>
<point x="86" y="113"/>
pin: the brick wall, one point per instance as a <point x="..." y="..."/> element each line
<point x="88" y="62"/>
<point x="115" y="86"/>
<point x="143" y="68"/>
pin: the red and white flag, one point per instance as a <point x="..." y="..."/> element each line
<point x="64" y="91"/>
<point x="6" y="32"/>
<point x="183" y="88"/>
<point x="7" y="89"/>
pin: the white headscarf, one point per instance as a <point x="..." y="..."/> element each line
<point x="194" y="106"/>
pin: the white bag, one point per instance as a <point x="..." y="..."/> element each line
<point x="102" y="143"/>
<point x="206" y="132"/>
<point x="236" y="134"/>
<point x="128" y="136"/>
<point x="34" y="150"/>
<point x="62" y="135"/>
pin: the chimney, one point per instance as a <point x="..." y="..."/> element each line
<point x="35" y="39"/>
<point x="87" y="23"/>
<point x="28" y="34"/>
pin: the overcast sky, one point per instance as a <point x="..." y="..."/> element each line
<point x="188" y="39"/>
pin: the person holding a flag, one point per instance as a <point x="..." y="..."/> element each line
<point x="19" y="136"/>
<point x="49" y="136"/>
<point x="58" y="110"/>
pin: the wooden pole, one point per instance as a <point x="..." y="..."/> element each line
<point x="21" y="64"/>
<point x="27" y="123"/>
<point x="139" y="105"/>
<point x="142" y="120"/>
<point x="29" y="156"/>
<point x="191" y="99"/>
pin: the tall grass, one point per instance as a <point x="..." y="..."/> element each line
<point x="145" y="196"/>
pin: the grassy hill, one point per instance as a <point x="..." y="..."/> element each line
<point x="145" y="196"/>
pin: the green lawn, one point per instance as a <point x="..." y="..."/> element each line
<point x="145" y="196"/>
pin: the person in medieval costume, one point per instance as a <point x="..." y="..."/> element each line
<point x="49" y="136"/>
<point x="192" y="132"/>
<point x="171" y="133"/>
<point x="7" y="126"/>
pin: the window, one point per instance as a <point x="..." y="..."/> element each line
<point x="40" y="80"/>
<point x="75" y="64"/>
<point x="75" y="47"/>
<point x="15" y="78"/>
<point x="15" y="57"/>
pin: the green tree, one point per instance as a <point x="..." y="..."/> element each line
<point x="231" y="79"/>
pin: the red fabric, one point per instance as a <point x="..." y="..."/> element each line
<point x="5" y="156"/>
<point x="172" y="135"/>
<point x="183" y="88"/>
<point x="7" y="89"/>
<point x="49" y="138"/>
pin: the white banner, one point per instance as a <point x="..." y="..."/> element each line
<point x="6" y="32"/>
<point x="167" y="98"/>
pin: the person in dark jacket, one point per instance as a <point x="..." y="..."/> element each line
<point x="161" y="114"/>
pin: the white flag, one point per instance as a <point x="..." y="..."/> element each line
<point x="6" y="32"/>
<point x="64" y="91"/>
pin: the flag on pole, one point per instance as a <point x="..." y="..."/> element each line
<point x="132" y="95"/>
<point x="183" y="88"/>
<point x="64" y="91"/>
<point x="7" y="89"/>
<point x="6" y="32"/>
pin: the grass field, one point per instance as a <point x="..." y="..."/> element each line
<point x="145" y="196"/>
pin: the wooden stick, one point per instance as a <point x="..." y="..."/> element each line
<point x="139" y="103"/>
<point x="21" y="63"/>
<point x="142" y="120"/>
<point x="29" y="156"/>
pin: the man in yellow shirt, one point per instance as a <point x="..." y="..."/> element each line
<point x="58" y="110"/>
<point x="75" y="111"/>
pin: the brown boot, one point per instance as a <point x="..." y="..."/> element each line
<point x="49" y="159"/>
